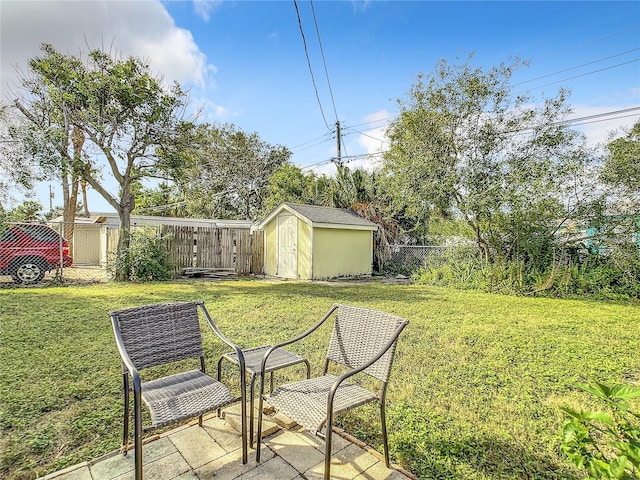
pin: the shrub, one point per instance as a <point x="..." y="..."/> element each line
<point x="145" y="259"/>
<point x="605" y="443"/>
<point x="615" y="273"/>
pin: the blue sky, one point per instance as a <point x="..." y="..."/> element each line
<point x="245" y="60"/>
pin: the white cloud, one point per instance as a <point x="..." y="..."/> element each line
<point x="365" y="150"/>
<point x="204" y="8"/>
<point x="140" y="28"/>
<point x="374" y="138"/>
<point x="599" y="130"/>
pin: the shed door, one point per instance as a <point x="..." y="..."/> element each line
<point x="86" y="245"/>
<point x="287" y="246"/>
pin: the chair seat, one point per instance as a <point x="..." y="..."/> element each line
<point x="182" y="396"/>
<point x="306" y="401"/>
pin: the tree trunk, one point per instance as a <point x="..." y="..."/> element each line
<point x="482" y="244"/>
<point x="127" y="204"/>
<point x="85" y="203"/>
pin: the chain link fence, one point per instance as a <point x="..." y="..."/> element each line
<point x="406" y="259"/>
<point x="45" y="254"/>
<point x="31" y="251"/>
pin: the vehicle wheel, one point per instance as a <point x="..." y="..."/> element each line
<point x="27" y="272"/>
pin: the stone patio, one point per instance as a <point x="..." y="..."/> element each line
<point x="213" y="452"/>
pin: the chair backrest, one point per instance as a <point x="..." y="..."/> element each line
<point x="359" y="333"/>
<point x="161" y="333"/>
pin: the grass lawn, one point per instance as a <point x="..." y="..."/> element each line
<point x="476" y="390"/>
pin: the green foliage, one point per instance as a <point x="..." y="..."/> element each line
<point x="164" y="200"/>
<point x="28" y="211"/>
<point x="611" y="275"/>
<point x="475" y="392"/>
<point x="225" y="172"/>
<point x="145" y="258"/>
<point x="454" y="153"/>
<point x="605" y="443"/>
<point x="622" y="166"/>
<point x="98" y="119"/>
<point x="457" y="267"/>
<point x="288" y="183"/>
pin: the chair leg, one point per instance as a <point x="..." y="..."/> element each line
<point x="219" y="412"/>
<point x="252" y="389"/>
<point x="327" y="443"/>
<point x="327" y="453"/>
<point x="243" y="416"/>
<point x="138" y="435"/>
<point x="385" y="439"/>
<point x="260" y="406"/>
<point x="125" y="432"/>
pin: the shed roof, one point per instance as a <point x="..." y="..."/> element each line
<point x="111" y="219"/>
<point x="324" y="217"/>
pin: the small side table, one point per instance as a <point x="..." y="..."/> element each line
<point x="279" y="358"/>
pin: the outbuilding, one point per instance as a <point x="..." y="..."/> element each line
<point x="310" y="242"/>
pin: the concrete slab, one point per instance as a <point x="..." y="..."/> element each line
<point x="379" y="471"/>
<point x="337" y="442"/>
<point x="76" y="472"/>
<point x="271" y="469"/>
<point x="295" y="449"/>
<point x="118" y="464"/>
<point x="214" y="452"/>
<point x="223" y="433"/>
<point x="348" y="463"/>
<point x="196" y="446"/>
<point x="165" y="468"/>
<point x="232" y="415"/>
<point x="230" y="466"/>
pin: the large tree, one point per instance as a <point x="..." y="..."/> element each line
<point x="288" y="183"/>
<point x="622" y="165"/>
<point x="107" y="119"/>
<point x="17" y="172"/>
<point x="225" y="172"/>
<point x="621" y="176"/>
<point x="466" y="145"/>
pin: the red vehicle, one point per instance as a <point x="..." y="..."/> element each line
<point x="28" y="250"/>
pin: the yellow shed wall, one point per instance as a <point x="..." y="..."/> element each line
<point x="304" y="250"/>
<point x="338" y="252"/>
<point x="270" y="245"/>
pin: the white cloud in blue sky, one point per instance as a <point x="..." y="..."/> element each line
<point x="204" y="8"/>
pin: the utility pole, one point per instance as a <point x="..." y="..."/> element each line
<point x="339" y="142"/>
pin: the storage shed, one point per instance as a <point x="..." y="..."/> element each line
<point x="309" y="242"/>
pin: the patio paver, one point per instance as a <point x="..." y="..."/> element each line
<point x="213" y="452"/>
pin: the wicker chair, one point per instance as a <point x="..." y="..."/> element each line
<point x="153" y="335"/>
<point x="363" y="340"/>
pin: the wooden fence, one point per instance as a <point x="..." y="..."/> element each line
<point x="209" y="247"/>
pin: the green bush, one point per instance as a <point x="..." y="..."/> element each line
<point x="605" y="443"/>
<point x="613" y="274"/>
<point x="455" y="267"/>
<point x="145" y="259"/>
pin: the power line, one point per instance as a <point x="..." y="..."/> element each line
<point x="315" y="144"/>
<point x="605" y="120"/>
<point x="325" y="137"/>
<point x="324" y="63"/>
<point x="576" y="67"/>
<point x="306" y="52"/>
<point x="588" y="119"/>
<point x="385" y="119"/>
<point x="598" y="115"/>
<point x="597" y="40"/>
<point x="369" y="136"/>
<point x="585" y="74"/>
